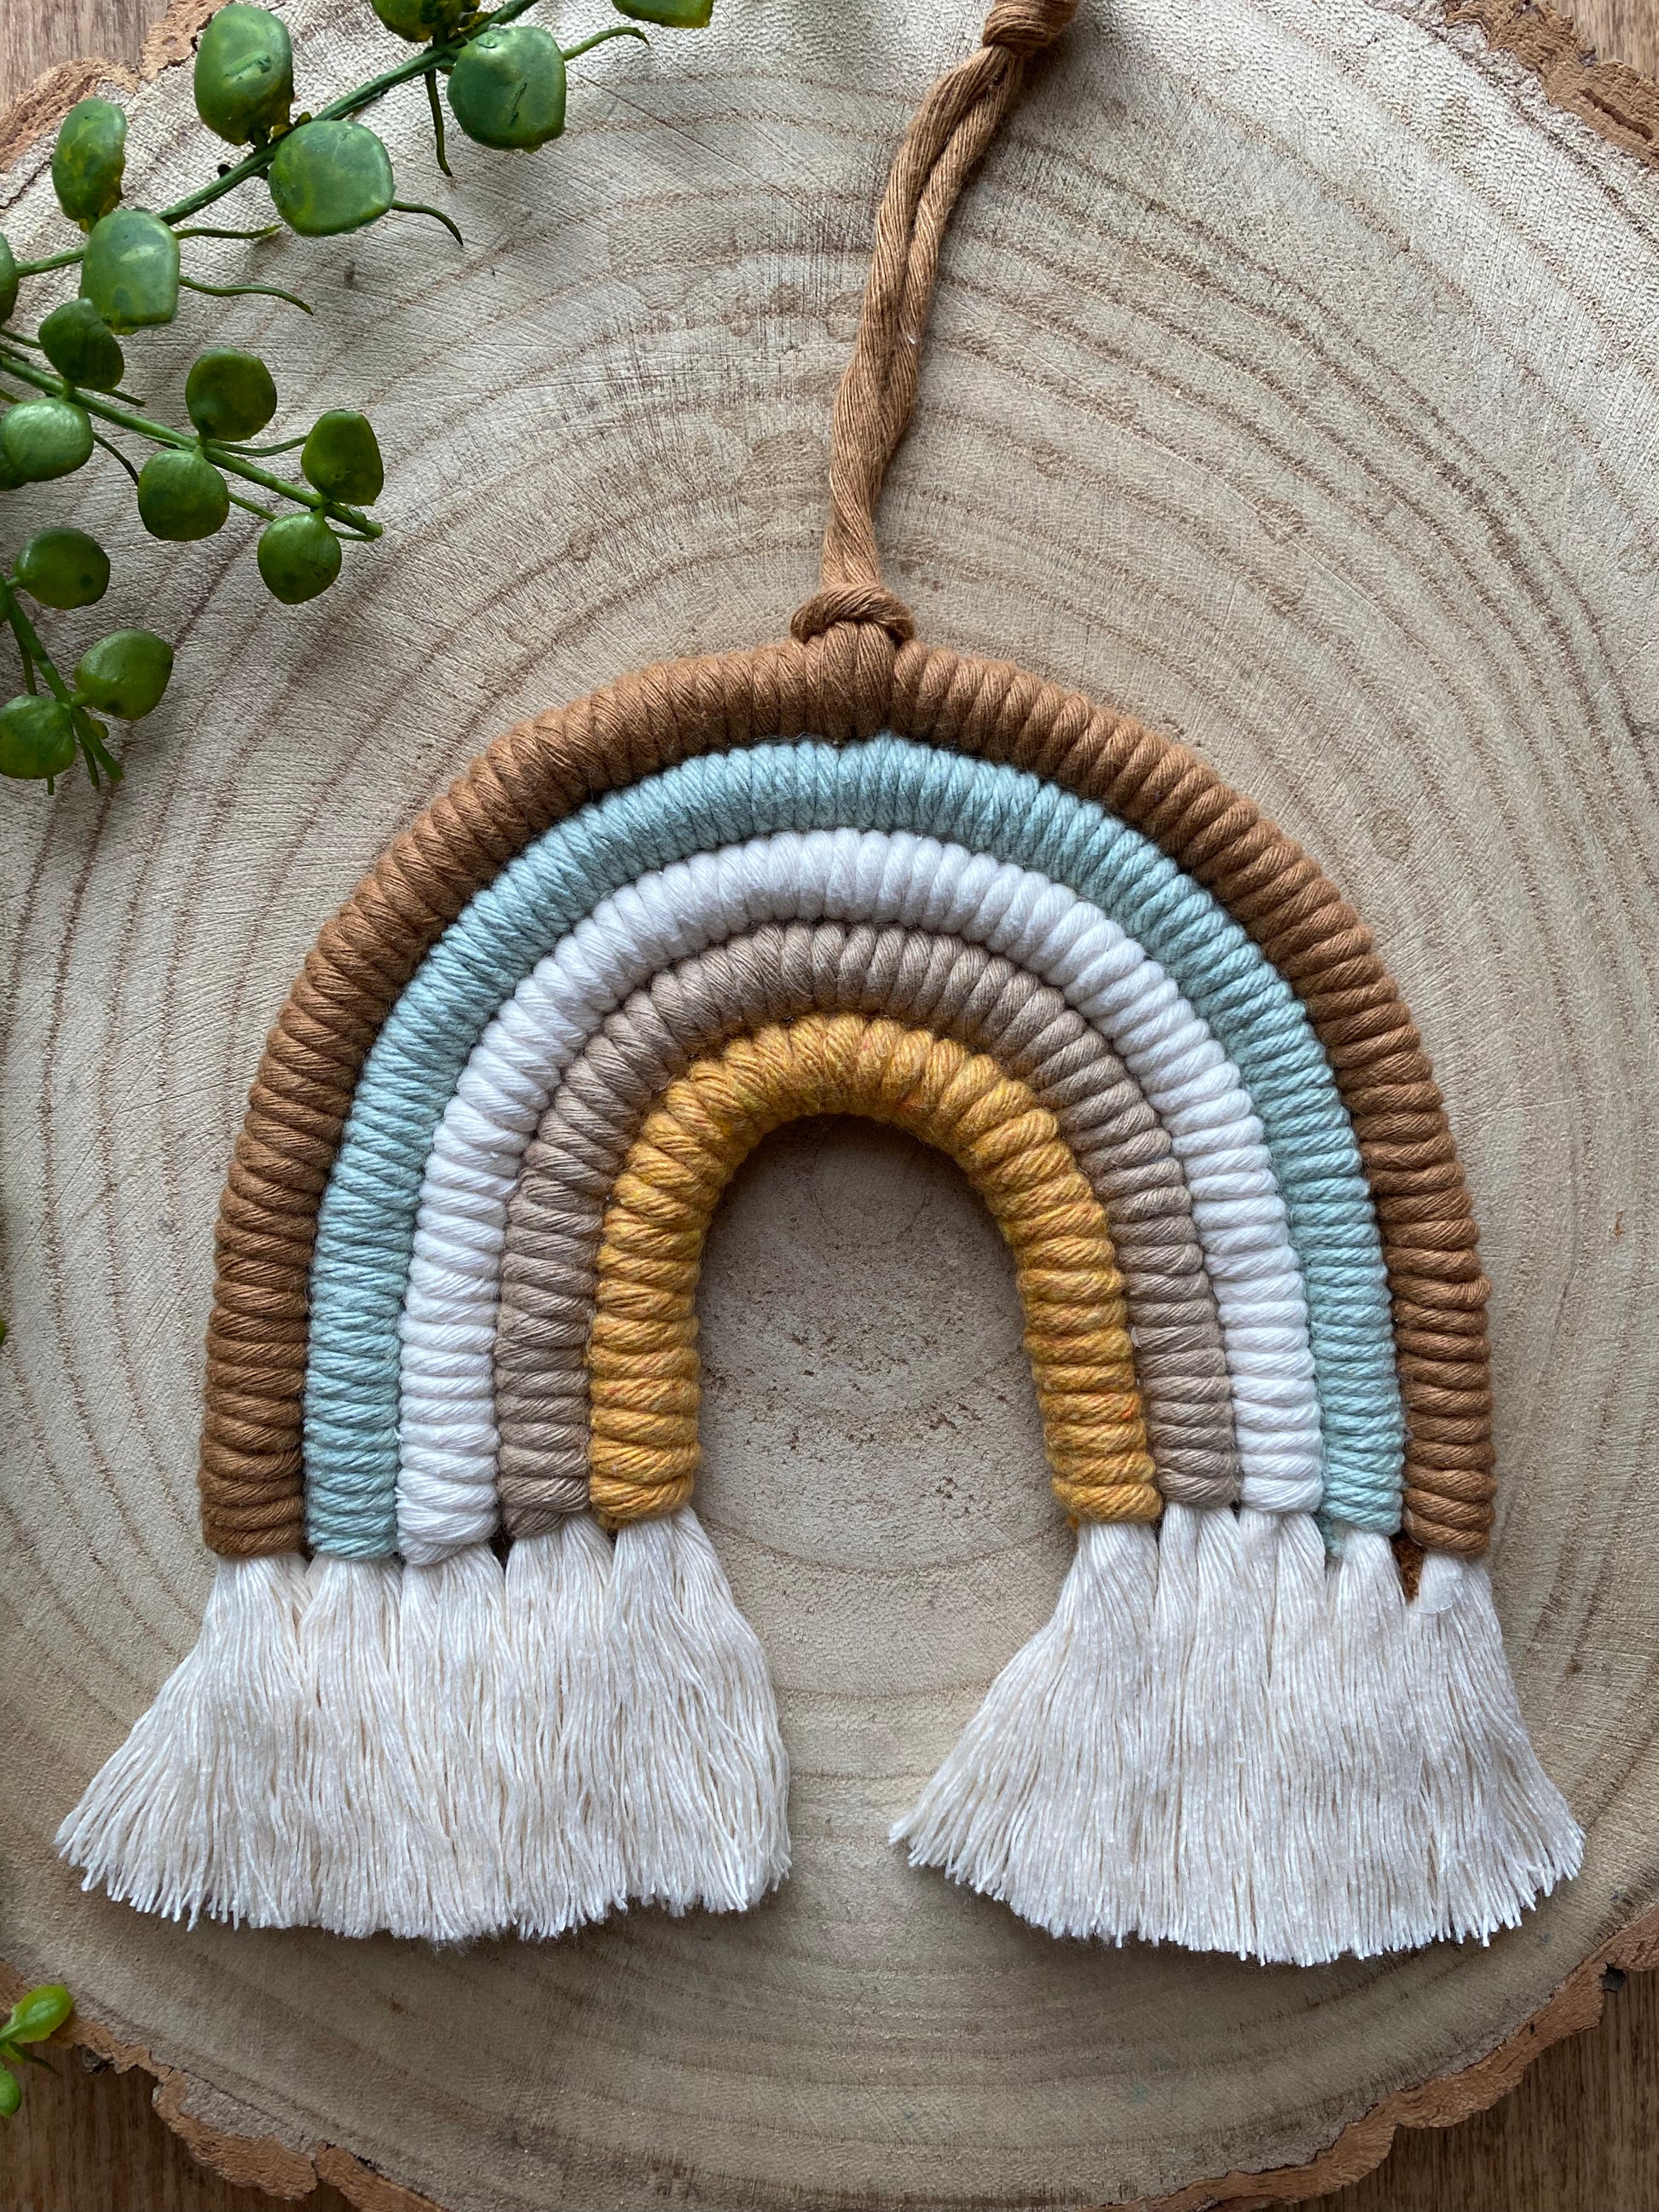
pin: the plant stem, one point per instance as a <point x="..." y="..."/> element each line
<point x="224" y="457"/>
<point x="89" y="735"/>
<point x="248" y="291"/>
<point x="115" y="454"/>
<point x="259" y="453"/>
<point x="434" y="103"/>
<point x="598" y="37"/>
<point x="53" y="261"/>
<point x="13" y="617"/>
<point x="419" y="207"/>
<point x="28" y="641"/>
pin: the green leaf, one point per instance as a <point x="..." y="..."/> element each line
<point x="229" y="395"/>
<point x="341" y="457"/>
<point x="420" y="21"/>
<point x="672" y="15"/>
<point x="79" y="345"/>
<point x="507" y="87"/>
<point x="44" y="439"/>
<point x="89" y="159"/>
<point x="130" y="271"/>
<point x="37" y="739"/>
<point x="181" y="496"/>
<point x="331" y="177"/>
<point x="244" y="81"/>
<point x="125" y="674"/>
<point x="64" y="569"/>
<point x="299" y="557"/>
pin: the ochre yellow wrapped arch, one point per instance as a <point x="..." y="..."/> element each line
<point x="642" y="1352"/>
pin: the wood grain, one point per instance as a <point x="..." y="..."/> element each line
<point x="39" y="37"/>
<point x="1147" y="382"/>
<point x="1625" y="31"/>
<point x="1577" y="2136"/>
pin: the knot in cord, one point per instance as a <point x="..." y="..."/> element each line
<point x="1026" y="26"/>
<point x="852" y="603"/>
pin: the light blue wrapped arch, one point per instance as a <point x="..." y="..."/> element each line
<point x="366" y="1223"/>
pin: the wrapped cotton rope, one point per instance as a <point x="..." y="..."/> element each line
<point x="553" y="1235"/>
<point x="1261" y="1028"/>
<point x="448" y="1440"/>
<point x="777" y="973"/>
<point x="291" y="1768"/>
<point x="643" y="1369"/>
<point x="487" y="1119"/>
<point x="555" y="1216"/>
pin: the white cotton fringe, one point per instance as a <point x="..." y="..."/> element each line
<point x="452" y="1664"/>
<point x="1299" y="1909"/>
<point x="1041" y="1801"/>
<point x="702" y="1780"/>
<point x="1378" y="1893"/>
<point x="373" y="1868"/>
<point x="564" y="1845"/>
<point x="1501" y="1831"/>
<point x="1210" y="1772"/>
<point x="1221" y="1740"/>
<point x="201" y="1811"/>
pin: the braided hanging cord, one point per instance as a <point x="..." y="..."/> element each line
<point x="951" y="131"/>
<point x="642" y="1359"/>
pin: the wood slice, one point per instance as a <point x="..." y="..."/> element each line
<point x="1292" y="383"/>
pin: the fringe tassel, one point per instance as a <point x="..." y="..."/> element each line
<point x="200" y="1810"/>
<point x="1041" y="1802"/>
<point x="702" y="1776"/>
<point x="564" y="1842"/>
<point x="373" y="1868"/>
<point x="1501" y="1834"/>
<point x="1218" y="1740"/>
<point x="1382" y="1864"/>
<point x="453" y="1659"/>
<point x="1174" y="1628"/>
<point x="1316" y="1768"/>
<point x="1299" y="1911"/>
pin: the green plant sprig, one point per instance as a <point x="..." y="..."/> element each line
<point x="441" y="55"/>
<point x="225" y="456"/>
<point x="440" y="58"/>
<point x="61" y="387"/>
<point x="41" y="737"/>
<point x="37" y="2013"/>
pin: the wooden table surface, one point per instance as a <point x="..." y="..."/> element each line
<point x="1581" y="2133"/>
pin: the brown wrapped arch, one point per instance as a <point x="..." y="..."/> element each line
<point x="850" y="680"/>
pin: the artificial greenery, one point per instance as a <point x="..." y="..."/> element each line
<point x="36" y="2015"/>
<point x="62" y="386"/>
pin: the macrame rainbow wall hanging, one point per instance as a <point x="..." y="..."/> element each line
<point x="458" y="1254"/>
